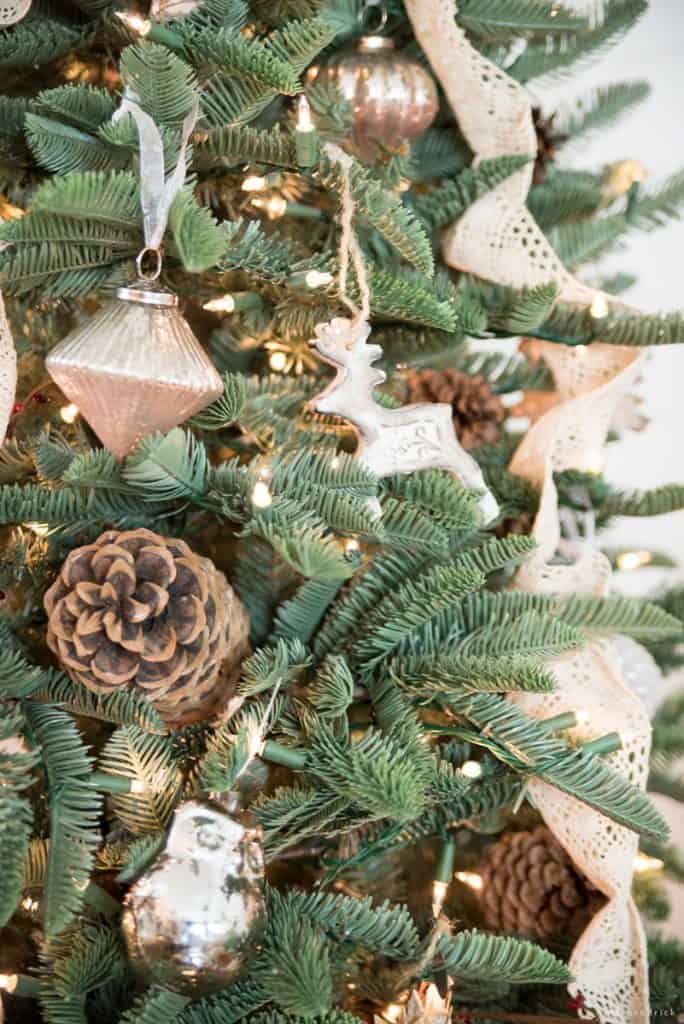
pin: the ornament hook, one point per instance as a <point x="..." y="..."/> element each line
<point x="151" y="253"/>
<point x="373" y="17"/>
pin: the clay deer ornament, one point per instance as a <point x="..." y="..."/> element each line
<point x="391" y="441"/>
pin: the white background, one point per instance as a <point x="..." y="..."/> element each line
<point x="653" y="134"/>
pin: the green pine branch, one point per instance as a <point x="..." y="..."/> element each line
<point x="490" y="19"/>
<point x="134" y="754"/>
<point x="657" y="502"/>
<point x="74" y="808"/>
<point x="600" y="108"/>
<point x="446" y="202"/>
<point x="573" y="50"/>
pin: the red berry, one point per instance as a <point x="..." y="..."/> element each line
<point x="17" y="408"/>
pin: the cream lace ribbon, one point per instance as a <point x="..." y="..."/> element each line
<point x="8" y="371"/>
<point x="498" y="239"/>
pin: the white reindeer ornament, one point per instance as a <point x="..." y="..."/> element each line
<point x="390" y="440"/>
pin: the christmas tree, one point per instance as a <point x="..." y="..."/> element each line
<point x="315" y="699"/>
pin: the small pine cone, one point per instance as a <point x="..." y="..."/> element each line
<point x="477" y="412"/>
<point x="137" y="610"/>
<point x="532" y="888"/>
<point x="548" y="142"/>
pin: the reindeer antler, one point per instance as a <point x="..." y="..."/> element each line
<point x="341" y="335"/>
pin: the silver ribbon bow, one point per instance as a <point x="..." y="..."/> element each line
<point x="157" y="192"/>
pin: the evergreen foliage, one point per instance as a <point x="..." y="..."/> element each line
<point x="371" y="726"/>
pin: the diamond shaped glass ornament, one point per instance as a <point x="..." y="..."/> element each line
<point x="134" y="368"/>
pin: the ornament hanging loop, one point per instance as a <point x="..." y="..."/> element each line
<point x="373" y="17"/>
<point x="148" y="263"/>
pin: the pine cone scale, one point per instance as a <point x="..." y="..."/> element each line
<point x="531" y="887"/>
<point x="135" y="609"/>
<point x="476" y="411"/>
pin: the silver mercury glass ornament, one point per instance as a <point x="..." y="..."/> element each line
<point x="135" y="367"/>
<point x="197" y="915"/>
<point x="393" y="98"/>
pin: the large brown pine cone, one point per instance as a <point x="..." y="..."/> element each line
<point x="135" y="609"/>
<point x="477" y="412"/>
<point x="531" y="887"/>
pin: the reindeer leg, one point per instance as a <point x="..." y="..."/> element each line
<point x="464" y="466"/>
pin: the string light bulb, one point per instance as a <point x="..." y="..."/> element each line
<point x="135" y="22"/>
<point x="261" y="495"/>
<point x="274" y="207"/>
<point x="593" y="462"/>
<point x="306" y="139"/>
<point x="471" y="879"/>
<point x="8" y="982"/>
<point x="254" y="183"/>
<point x="599" y="308"/>
<point x="69" y="412"/>
<point x="277" y="361"/>
<point x="318" y="278"/>
<point x="628" y="560"/>
<point x="471" y="769"/>
<point x="644" y="864"/>
<point x="439" y="892"/>
<point x="40" y="529"/>
<point x="224" y="304"/>
<point x="351" y="546"/>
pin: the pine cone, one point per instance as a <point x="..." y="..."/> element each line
<point x="138" y="610"/>
<point x="477" y="411"/>
<point x="548" y="143"/>
<point x="531" y="887"/>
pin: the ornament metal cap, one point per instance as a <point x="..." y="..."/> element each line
<point x="148" y="297"/>
<point x="373" y="43"/>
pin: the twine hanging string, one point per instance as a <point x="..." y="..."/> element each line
<point x="349" y="243"/>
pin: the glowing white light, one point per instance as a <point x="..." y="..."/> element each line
<point x="69" y="412"/>
<point x="599" y="308"/>
<point x="633" y="559"/>
<point x="374" y="43"/>
<point x="254" y="183"/>
<point x="471" y="769"/>
<point x="274" y="207"/>
<point x="351" y="546"/>
<point x="643" y="863"/>
<point x="393" y="1012"/>
<point x="261" y="495"/>
<point x="594" y="462"/>
<point x="137" y="786"/>
<point x="8" y="982"/>
<point x="134" y="21"/>
<point x="439" y="891"/>
<point x="224" y="304"/>
<point x="277" y="361"/>
<point x="40" y="529"/>
<point x="304" y="120"/>
<point x="470" y="878"/>
<point x="318" y="278"/>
